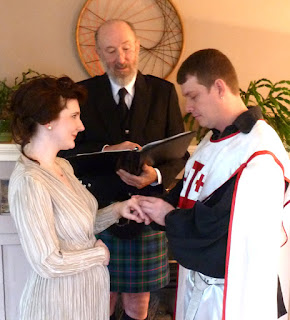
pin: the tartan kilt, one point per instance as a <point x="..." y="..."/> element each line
<point x="139" y="264"/>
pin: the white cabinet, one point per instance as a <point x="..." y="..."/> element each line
<point x="14" y="268"/>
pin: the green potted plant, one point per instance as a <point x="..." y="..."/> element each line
<point x="5" y="96"/>
<point x="5" y="92"/>
<point x="274" y="101"/>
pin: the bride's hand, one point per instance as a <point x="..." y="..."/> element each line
<point x="100" y="243"/>
<point x="131" y="210"/>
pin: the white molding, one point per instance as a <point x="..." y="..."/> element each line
<point x="9" y="151"/>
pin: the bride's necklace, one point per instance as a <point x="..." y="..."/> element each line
<point x="54" y="168"/>
<point x="57" y="170"/>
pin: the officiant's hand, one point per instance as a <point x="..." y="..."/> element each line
<point x="147" y="177"/>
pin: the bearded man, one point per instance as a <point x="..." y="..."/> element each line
<point x="139" y="262"/>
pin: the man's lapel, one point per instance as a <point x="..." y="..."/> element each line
<point x="140" y="108"/>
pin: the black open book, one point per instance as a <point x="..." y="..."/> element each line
<point x="153" y="154"/>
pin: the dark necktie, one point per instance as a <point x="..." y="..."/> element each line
<point x="123" y="109"/>
<point x="122" y="104"/>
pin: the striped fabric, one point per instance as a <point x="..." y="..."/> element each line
<point x="140" y="264"/>
<point x="57" y="227"/>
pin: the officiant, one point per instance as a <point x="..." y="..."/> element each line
<point x="127" y="109"/>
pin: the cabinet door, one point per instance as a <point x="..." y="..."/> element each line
<point x="15" y="272"/>
<point x="14" y="269"/>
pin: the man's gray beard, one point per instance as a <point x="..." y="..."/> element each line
<point x="122" y="81"/>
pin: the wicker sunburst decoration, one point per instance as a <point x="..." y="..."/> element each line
<point x="157" y="24"/>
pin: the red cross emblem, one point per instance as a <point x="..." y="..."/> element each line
<point x="199" y="183"/>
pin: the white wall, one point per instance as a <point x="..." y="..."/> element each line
<point x="39" y="35"/>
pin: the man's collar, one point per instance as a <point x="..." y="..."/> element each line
<point x="247" y="119"/>
<point x="243" y="123"/>
<point x="130" y="87"/>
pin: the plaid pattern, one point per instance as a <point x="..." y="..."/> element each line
<point x="140" y="264"/>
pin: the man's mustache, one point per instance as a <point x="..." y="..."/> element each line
<point x="121" y="65"/>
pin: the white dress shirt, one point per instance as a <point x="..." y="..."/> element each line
<point x="130" y="87"/>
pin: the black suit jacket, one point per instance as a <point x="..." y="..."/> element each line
<point x="154" y="115"/>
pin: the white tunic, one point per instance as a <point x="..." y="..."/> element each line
<point x="262" y="166"/>
<point x="57" y="227"/>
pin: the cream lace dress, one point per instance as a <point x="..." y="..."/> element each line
<point x="57" y="227"/>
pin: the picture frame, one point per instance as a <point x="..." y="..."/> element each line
<point x="4" y="206"/>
